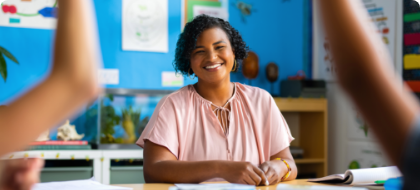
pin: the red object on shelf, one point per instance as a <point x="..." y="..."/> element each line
<point x="36" y="143"/>
<point x="412" y="39"/>
<point x="300" y="75"/>
<point x="414" y="85"/>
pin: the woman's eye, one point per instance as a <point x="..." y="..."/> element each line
<point x="220" y="47"/>
<point x="199" y="52"/>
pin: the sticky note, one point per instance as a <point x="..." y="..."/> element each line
<point x="412" y="61"/>
<point x="172" y="79"/>
<point x="109" y="76"/>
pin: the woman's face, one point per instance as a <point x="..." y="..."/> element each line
<point x="212" y="59"/>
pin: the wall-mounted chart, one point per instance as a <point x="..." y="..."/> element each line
<point x="382" y="14"/>
<point x="145" y="25"/>
<point x="40" y="14"/>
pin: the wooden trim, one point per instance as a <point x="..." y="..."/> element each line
<point x="301" y="104"/>
<point x="309" y="161"/>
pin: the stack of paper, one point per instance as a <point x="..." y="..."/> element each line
<point x="310" y="187"/>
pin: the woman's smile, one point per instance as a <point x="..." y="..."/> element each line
<point x="213" y="67"/>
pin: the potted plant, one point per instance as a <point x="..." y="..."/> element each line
<point x="3" y="65"/>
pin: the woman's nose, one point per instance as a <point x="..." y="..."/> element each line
<point x="212" y="56"/>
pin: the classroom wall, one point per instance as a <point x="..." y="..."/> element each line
<point x="274" y="31"/>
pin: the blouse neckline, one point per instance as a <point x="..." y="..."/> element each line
<point x="210" y="102"/>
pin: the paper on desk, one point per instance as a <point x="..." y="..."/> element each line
<point x="213" y="186"/>
<point x="88" y="184"/>
<point x="315" y="187"/>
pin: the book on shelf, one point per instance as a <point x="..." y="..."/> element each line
<point x="36" y="143"/>
<point x="366" y="176"/>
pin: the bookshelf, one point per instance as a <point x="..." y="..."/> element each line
<point x="312" y="134"/>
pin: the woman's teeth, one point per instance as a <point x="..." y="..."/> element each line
<point x="213" y="66"/>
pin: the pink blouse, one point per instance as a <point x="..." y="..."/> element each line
<point x="186" y="125"/>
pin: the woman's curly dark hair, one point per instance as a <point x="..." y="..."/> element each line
<point x="187" y="41"/>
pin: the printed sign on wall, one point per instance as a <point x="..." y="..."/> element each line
<point x="145" y="25"/>
<point x="40" y="14"/>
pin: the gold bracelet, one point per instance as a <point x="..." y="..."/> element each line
<point x="288" y="168"/>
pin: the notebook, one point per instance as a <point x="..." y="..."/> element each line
<point x="361" y="176"/>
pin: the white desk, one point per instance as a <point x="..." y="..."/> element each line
<point x="101" y="158"/>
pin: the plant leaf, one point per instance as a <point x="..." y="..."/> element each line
<point x="111" y="97"/>
<point x="8" y="55"/>
<point x="3" y="67"/>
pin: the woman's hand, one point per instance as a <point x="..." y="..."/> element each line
<point x="20" y="174"/>
<point x="274" y="170"/>
<point x="242" y="172"/>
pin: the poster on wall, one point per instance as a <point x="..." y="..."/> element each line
<point x="217" y="12"/>
<point x="38" y="14"/>
<point x="382" y="14"/>
<point x="145" y="25"/>
<point x="193" y="8"/>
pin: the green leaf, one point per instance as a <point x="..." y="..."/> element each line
<point x="3" y="67"/>
<point x="8" y="55"/>
<point x="111" y="97"/>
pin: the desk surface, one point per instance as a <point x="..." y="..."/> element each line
<point x="162" y="186"/>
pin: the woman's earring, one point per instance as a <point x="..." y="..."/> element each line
<point x="235" y="66"/>
<point x="189" y="76"/>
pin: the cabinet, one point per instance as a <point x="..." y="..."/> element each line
<point x="312" y="134"/>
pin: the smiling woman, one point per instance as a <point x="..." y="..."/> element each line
<point x="216" y="129"/>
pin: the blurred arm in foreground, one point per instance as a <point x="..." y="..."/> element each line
<point x="364" y="71"/>
<point x="72" y="82"/>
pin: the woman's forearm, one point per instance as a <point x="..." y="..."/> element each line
<point x="181" y="172"/>
<point x="294" y="171"/>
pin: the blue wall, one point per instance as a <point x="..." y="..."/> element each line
<point x="274" y="31"/>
